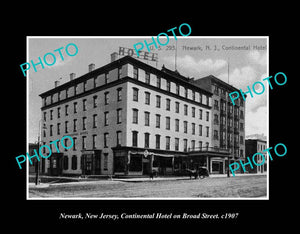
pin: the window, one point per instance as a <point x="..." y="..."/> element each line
<point x="147" y="140"/>
<point x="157" y="121"/>
<point x="75" y="89"/>
<point x="105" y="143"/>
<point x="83" y="142"/>
<point x="75" y="107"/>
<point x="67" y="92"/>
<point x="168" y="104"/>
<point x="185" y="109"/>
<point x="216" y="90"/>
<point x="200" y="114"/>
<point x="105" y="161"/>
<point x="119" y="94"/>
<point x="74" y="143"/>
<point x="216" y="119"/>
<point x="207" y="116"/>
<point x="185" y="145"/>
<point x="147" y="78"/>
<point x="185" y="126"/>
<point x="207" y="100"/>
<point x="193" y="144"/>
<point x="51" y="114"/>
<point x="158" y="101"/>
<point x="176" y="144"/>
<point x="216" y="105"/>
<point x="168" y="140"/>
<point x="200" y="145"/>
<point x="177" y="89"/>
<point x="216" y="135"/>
<point x="200" y="130"/>
<point x="106" y="77"/>
<point x="185" y="92"/>
<point x="94" y="121"/>
<point x="147" y="98"/>
<point x="75" y="125"/>
<point x="84" y="85"/>
<point x="157" y="141"/>
<point x="168" y="123"/>
<point x="135" y="73"/>
<point x="58" y="112"/>
<point x="193" y="95"/>
<point x="66" y="126"/>
<point x="207" y="131"/>
<point x="119" y="116"/>
<point x="95" y="82"/>
<point x="241" y="126"/>
<point x="193" y="128"/>
<point x="106" y="98"/>
<point x="95" y="101"/>
<point x="168" y="86"/>
<point x="158" y="82"/>
<point x="242" y="115"/>
<point x="83" y="123"/>
<point x="45" y="116"/>
<point x="147" y="118"/>
<point x="193" y="112"/>
<point x="94" y="138"/>
<point x="135" y="116"/>
<point x="135" y="94"/>
<point x="119" y="139"/>
<point x="135" y="138"/>
<point x="106" y="118"/>
<point x="177" y="107"/>
<point x="66" y="110"/>
<point x="119" y="72"/>
<point x="241" y="102"/>
<point x="58" y="128"/>
<point x="241" y="140"/>
<point x="177" y="125"/>
<point x="74" y="162"/>
<point x="84" y="104"/>
<point x="66" y="162"/>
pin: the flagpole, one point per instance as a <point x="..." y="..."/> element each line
<point x="176" y="56"/>
<point x="228" y="69"/>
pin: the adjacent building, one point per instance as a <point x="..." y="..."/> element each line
<point x="228" y="120"/>
<point x="129" y="118"/>
<point x="257" y="144"/>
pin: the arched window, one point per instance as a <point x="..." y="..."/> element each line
<point x="66" y="162"/>
<point x="74" y="162"/>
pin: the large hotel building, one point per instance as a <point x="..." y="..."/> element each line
<point x="130" y="118"/>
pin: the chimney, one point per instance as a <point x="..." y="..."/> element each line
<point x="114" y="56"/>
<point x="56" y="83"/>
<point x="91" y="67"/>
<point x="72" y="76"/>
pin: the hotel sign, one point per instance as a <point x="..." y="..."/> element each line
<point x="142" y="54"/>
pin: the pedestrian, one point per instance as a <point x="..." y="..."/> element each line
<point x="151" y="175"/>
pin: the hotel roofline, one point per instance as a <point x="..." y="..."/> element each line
<point x="165" y="73"/>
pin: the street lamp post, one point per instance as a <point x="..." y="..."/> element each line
<point x="37" y="168"/>
<point x="37" y="179"/>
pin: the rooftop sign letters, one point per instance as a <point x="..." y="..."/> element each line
<point x="142" y="54"/>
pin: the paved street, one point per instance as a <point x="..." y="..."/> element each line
<point x="212" y="187"/>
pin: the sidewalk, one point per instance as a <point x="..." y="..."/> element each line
<point x="134" y="180"/>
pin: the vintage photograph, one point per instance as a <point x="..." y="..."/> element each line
<point x="106" y="122"/>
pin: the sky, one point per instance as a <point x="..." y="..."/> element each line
<point x="245" y="59"/>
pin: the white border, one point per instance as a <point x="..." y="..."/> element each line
<point x="141" y="198"/>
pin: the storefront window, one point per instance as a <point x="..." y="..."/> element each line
<point x="135" y="163"/>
